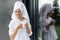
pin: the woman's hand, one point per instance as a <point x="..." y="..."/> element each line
<point x="19" y="26"/>
<point x="52" y="22"/>
<point x="12" y="36"/>
<point x="27" y="28"/>
<point x="26" y="25"/>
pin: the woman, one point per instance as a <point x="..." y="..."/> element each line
<point x="19" y="26"/>
<point x="47" y="23"/>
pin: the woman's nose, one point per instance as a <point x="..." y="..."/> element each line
<point x="17" y="13"/>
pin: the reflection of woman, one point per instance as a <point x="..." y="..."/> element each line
<point x="19" y="27"/>
<point x="48" y="29"/>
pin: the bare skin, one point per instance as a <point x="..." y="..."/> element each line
<point x="19" y="16"/>
<point x="12" y="36"/>
<point x="51" y="23"/>
<point x="27" y="28"/>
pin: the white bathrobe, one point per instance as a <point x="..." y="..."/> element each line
<point x="22" y="33"/>
<point x="51" y="33"/>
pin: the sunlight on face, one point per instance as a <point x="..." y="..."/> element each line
<point x="49" y="13"/>
<point x="18" y="12"/>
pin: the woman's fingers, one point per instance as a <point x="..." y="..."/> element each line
<point x="26" y="25"/>
<point x="53" y="21"/>
<point x="19" y="26"/>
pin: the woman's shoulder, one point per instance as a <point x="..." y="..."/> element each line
<point x="11" y="23"/>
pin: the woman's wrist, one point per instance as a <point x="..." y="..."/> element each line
<point x="16" y="29"/>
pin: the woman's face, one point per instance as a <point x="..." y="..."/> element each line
<point x="18" y="13"/>
<point x="49" y="14"/>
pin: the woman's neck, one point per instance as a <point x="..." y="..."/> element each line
<point x="21" y="18"/>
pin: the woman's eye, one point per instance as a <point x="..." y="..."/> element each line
<point x="15" y="11"/>
<point x="19" y="11"/>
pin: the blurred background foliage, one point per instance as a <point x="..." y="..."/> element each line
<point x="56" y="14"/>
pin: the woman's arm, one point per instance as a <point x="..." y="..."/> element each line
<point x="27" y="28"/>
<point x="51" y="23"/>
<point x="12" y="36"/>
